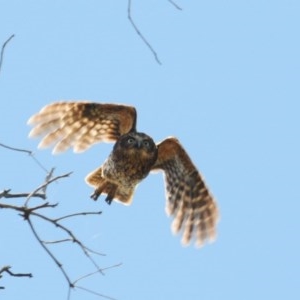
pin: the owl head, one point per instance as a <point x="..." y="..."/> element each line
<point x="137" y="141"/>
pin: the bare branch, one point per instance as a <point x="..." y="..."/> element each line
<point x="94" y="293"/>
<point x="28" y="213"/>
<point x="57" y="241"/>
<point x="48" y="177"/>
<point x="175" y="4"/>
<point x="60" y="266"/>
<point x="140" y="34"/>
<point x="3" y="48"/>
<point x="7" y="194"/>
<point x="28" y="152"/>
<point x="73" y="238"/>
<point x="44" y="185"/>
<point x="6" y="269"/>
<point x="25" y="211"/>
<point x="16" y="149"/>
<point x="79" y="214"/>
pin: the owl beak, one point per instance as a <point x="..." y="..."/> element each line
<point x="139" y="144"/>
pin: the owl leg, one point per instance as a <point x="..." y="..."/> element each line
<point x="105" y="187"/>
<point x="113" y="190"/>
<point x="102" y="185"/>
<point x="111" y="193"/>
<point x="96" y="194"/>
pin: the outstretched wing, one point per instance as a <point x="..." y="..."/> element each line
<point x="81" y="124"/>
<point x="188" y="199"/>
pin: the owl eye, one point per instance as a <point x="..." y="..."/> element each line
<point x="146" y="143"/>
<point x="130" y="141"/>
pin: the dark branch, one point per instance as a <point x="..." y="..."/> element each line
<point x="16" y="149"/>
<point x="6" y="269"/>
<point x="7" y="194"/>
<point x="3" y="48"/>
<point x="140" y="34"/>
<point x="24" y="210"/>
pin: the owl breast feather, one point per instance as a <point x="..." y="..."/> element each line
<point x="127" y="169"/>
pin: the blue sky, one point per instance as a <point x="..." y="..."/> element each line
<point x="228" y="89"/>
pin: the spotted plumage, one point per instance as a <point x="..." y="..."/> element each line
<point x="134" y="156"/>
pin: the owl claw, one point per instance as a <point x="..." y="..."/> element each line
<point x="108" y="200"/>
<point x="95" y="195"/>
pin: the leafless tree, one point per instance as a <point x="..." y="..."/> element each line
<point x="39" y="211"/>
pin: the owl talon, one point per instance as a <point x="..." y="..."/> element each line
<point x="108" y="200"/>
<point x="95" y="195"/>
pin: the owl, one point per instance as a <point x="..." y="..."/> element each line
<point x="134" y="156"/>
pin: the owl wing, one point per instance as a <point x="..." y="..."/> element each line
<point x="188" y="199"/>
<point x="81" y="124"/>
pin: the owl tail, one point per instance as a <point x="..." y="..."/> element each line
<point x="112" y="190"/>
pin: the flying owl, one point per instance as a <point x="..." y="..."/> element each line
<point x="134" y="156"/>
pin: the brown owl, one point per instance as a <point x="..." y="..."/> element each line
<point x="134" y="155"/>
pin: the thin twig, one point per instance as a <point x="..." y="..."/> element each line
<point x="140" y="34"/>
<point x="84" y="249"/>
<point x="71" y="240"/>
<point x="7" y="270"/>
<point x="21" y="209"/>
<point x="16" y="149"/>
<point x="25" y="211"/>
<point x="45" y="184"/>
<point x="60" y="266"/>
<point x="95" y="293"/>
<point x="94" y="273"/>
<point x="2" y="49"/>
<point x="57" y="241"/>
<point x="47" y="179"/>
<point x="7" y="194"/>
<point x="79" y="214"/>
<point x="175" y="4"/>
<point x="30" y="153"/>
